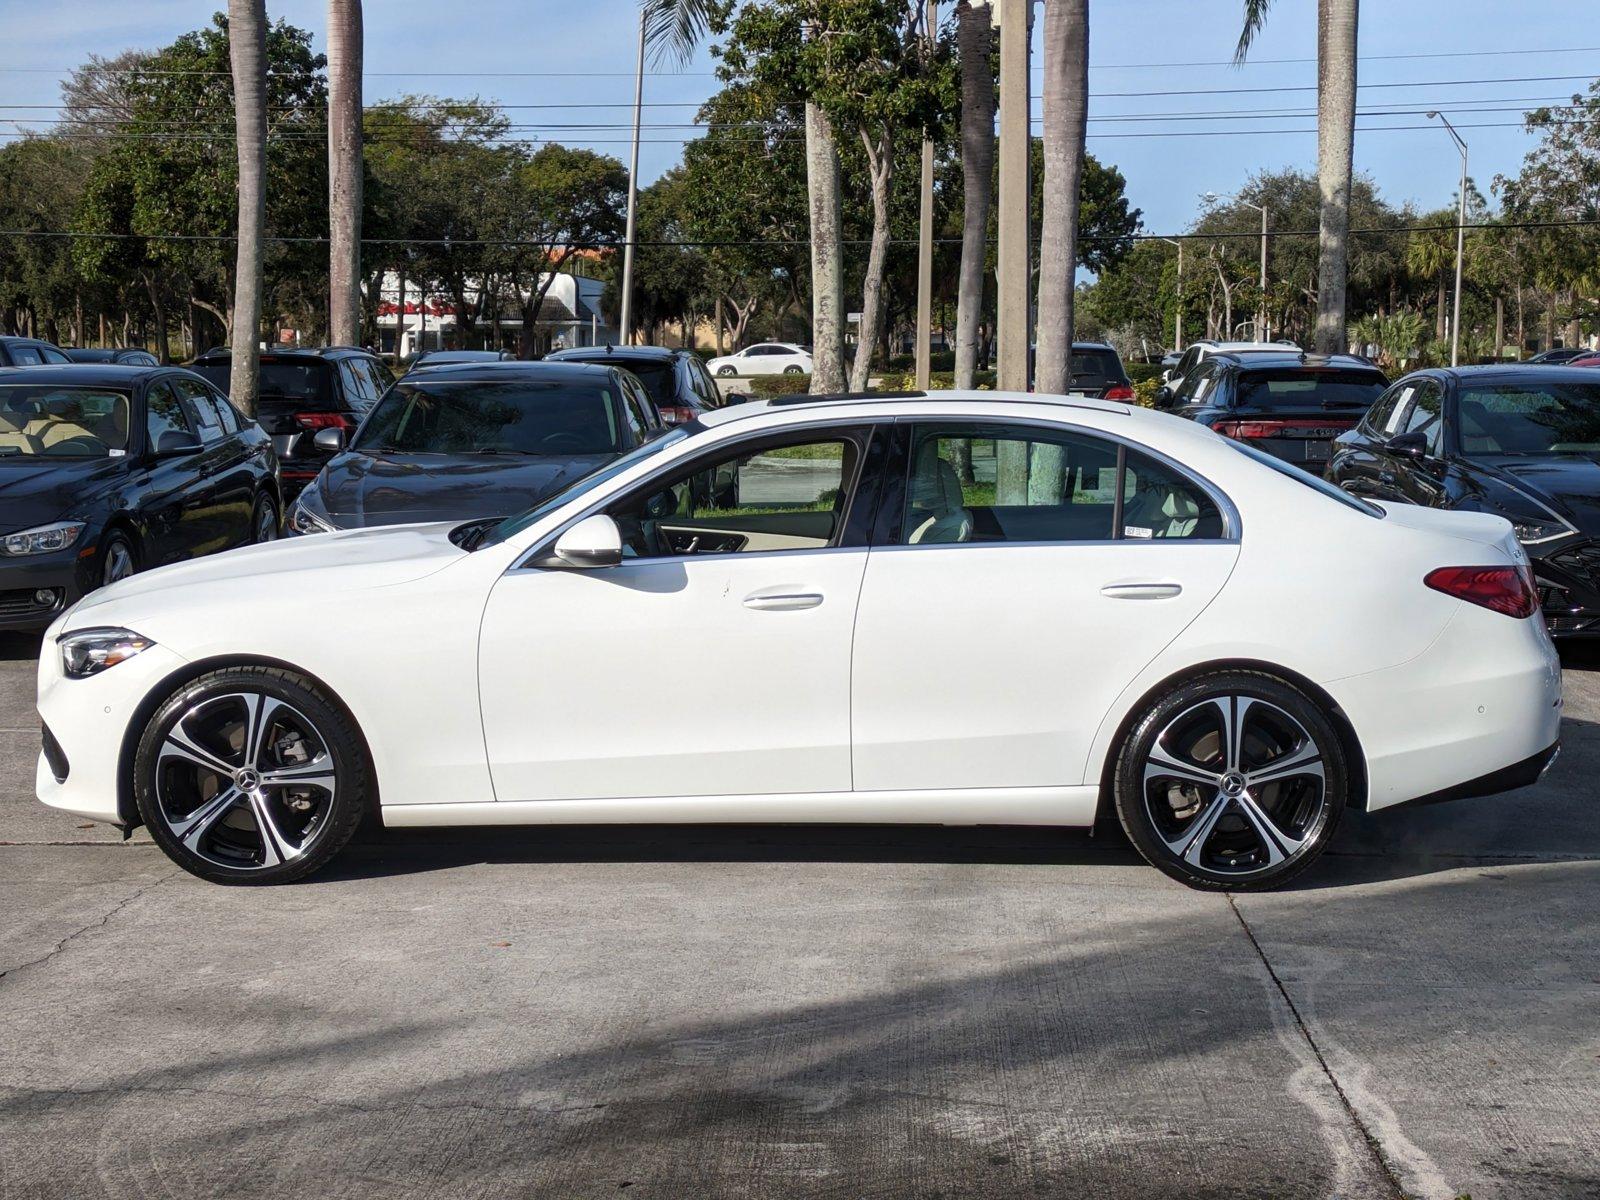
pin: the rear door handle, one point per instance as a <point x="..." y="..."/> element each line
<point x="1141" y="591"/>
<point x="782" y="601"/>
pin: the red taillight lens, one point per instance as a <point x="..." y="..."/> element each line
<point x="323" y="420"/>
<point x="1507" y="590"/>
<point x="1247" y="430"/>
<point x="1119" y="392"/>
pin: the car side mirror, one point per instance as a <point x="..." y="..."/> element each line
<point x="175" y="443"/>
<point x="736" y="398"/>
<point x="1163" y="396"/>
<point x="593" y="542"/>
<point x="331" y="440"/>
<point x="1411" y="444"/>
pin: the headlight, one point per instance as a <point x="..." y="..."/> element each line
<point x="1532" y="531"/>
<point x="90" y="651"/>
<point x="44" y="539"/>
<point x="303" y="520"/>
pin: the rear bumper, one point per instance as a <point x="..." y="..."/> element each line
<point x="1507" y="779"/>
<point x="1480" y="708"/>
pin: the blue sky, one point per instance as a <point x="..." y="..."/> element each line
<point x="584" y="56"/>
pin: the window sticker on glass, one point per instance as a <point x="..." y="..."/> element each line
<point x="1137" y="531"/>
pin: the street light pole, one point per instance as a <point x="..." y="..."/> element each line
<point x="1177" y="316"/>
<point x="1461" y="238"/>
<point x="626" y="320"/>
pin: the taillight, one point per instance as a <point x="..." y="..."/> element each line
<point x="1245" y="431"/>
<point x="323" y="420"/>
<point x="1508" y="590"/>
<point x="1119" y="391"/>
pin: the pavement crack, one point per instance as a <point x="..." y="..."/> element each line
<point x="1374" y="1145"/>
<point x="99" y="922"/>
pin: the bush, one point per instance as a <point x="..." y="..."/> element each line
<point x="1139" y="372"/>
<point x="1144" y="392"/>
<point x="774" y="385"/>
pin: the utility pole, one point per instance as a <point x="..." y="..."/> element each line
<point x="626" y="322"/>
<point x="1461" y="238"/>
<point x="924" y="348"/>
<point x="1261" y="314"/>
<point x="1013" y="266"/>
<point x="1177" y="316"/>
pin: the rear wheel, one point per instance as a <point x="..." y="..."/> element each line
<point x="726" y="372"/>
<point x="250" y="775"/>
<point x="1235" y="781"/>
<point x="794" y="371"/>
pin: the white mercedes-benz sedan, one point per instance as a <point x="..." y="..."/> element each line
<point x="958" y="608"/>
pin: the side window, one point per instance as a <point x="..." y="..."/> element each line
<point x="633" y="413"/>
<point x="1382" y="409"/>
<point x="379" y="375"/>
<point x="786" y="496"/>
<point x="202" y="410"/>
<point x="1425" y="416"/>
<point x="999" y="483"/>
<point x="25" y="356"/>
<point x="1158" y="502"/>
<point x="52" y="355"/>
<point x="357" y="384"/>
<point x="163" y="414"/>
<point x="1196" y="384"/>
<point x="1021" y="484"/>
<point x="704" y="388"/>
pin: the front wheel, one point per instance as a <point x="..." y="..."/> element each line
<point x="726" y="372"/>
<point x="1234" y="781"/>
<point x="264" y="521"/>
<point x="250" y="775"/>
<point x="118" y="559"/>
<point x="794" y="370"/>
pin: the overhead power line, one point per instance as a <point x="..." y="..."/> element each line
<point x="1246" y="235"/>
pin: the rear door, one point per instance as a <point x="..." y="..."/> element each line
<point x="1002" y="614"/>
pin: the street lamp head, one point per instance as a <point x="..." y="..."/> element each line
<point x="1431" y="114"/>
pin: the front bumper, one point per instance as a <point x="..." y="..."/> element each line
<point x="66" y="575"/>
<point x="1568" y="578"/>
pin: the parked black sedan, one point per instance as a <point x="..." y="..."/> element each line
<point x="1292" y="405"/>
<point x="30" y="352"/>
<point x="1522" y="442"/>
<point x="105" y="470"/>
<point x="473" y="441"/>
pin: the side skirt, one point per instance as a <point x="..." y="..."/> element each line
<point x="962" y="806"/>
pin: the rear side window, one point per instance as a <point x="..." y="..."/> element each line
<point x="1003" y="483"/>
<point x="24" y="356"/>
<point x="1307" y="389"/>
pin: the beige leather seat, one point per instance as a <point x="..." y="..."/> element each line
<point x="1164" y="512"/>
<point x="936" y="511"/>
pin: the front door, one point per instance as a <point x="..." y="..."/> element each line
<point x="714" y="661"/>
<point x="1029" y="574"/>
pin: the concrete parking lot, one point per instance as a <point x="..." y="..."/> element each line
<point x="807" y="1012"/>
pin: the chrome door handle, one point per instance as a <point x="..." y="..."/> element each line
<point x="782" y="601"/>
<point x="1141" y="591"/>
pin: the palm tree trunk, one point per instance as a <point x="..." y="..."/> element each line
<point x="1336" y="135"/>
<point x="1066" y="106"/>
<point x="973" y="33"/>
<point x="344" y="171"/>
<point x="880" y="164"/>
<point x="247" y="54"/>
<point x="827" y="254"/>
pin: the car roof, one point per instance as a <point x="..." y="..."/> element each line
<point x="323" y="352"/>
<point x="1224" y="347"/>
<point x="82" y="374"/>
<point x="889" y="402"/>
<point x="1503" y="372"/>
<point x="579" y="353"/>
<point x="544" y="369"/>
<point x="1264" y="360"/>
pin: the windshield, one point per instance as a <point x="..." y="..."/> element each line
<point x="1101" y="368"/>
<point x="1309" y="389"/>
<point x="1530" y="420"/>
<point x="514" y="525"/>
<point x="62" y="422"/>
<point x="510" y="416"/>
<point x="306" y="384"/>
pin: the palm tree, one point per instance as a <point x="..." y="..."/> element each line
<point x="676" y="27"/>
<point x="344" y="171"/>
<point x="1336" y="137"/>
<point x="247" y="56"/>
<point x="1066" y="109"/>
<point x="975" y="38"/>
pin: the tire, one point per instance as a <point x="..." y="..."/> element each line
<point x="794" y="371"/>
<point x="726" y="372"/>
<point x="309" y="781"/>
<point x="264" y="521"/>
<point x="1245" y="819"/>
<point x="118" y="557"/>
